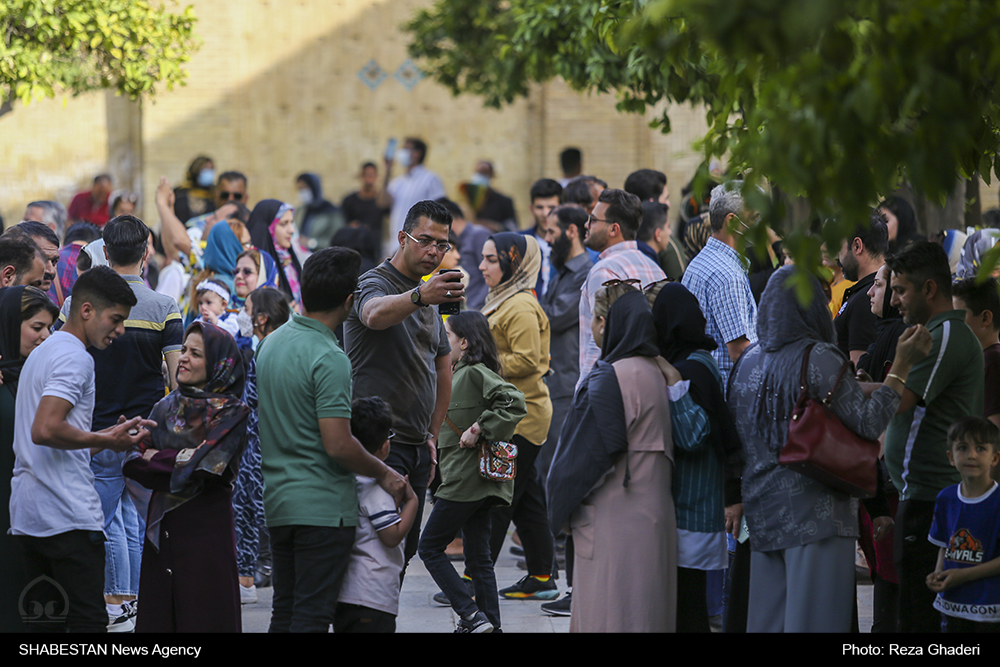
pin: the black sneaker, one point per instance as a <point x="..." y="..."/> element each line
<point x="442" y="599"/>
<point x="476" y="625"/>
<point x="531" y="588"/>
<point x="262" y="577"/>
<point x="560" y="607"/>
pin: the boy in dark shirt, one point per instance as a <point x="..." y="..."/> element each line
<point x="967" y="576"/>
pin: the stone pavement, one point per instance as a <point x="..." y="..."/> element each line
<point x="417" y="613"/>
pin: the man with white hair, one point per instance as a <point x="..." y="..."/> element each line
<point x="717" y="277"/>
<point x="52" y="213"/>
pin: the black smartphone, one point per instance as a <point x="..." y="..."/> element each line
<point x="451" y="307"/>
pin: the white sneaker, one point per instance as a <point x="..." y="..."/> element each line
<point x="248" y="594"/>
<point x="123" y="622"/>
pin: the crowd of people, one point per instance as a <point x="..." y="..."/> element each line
<point x="273" y="395"/>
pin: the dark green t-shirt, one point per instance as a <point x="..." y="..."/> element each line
<point x="303" y="376"/>
<point x="949" y="382"/>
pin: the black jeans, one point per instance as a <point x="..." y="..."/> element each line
<point x="358" y="619"/>
<point x="915" y="558"/>
<point x="72" y="599"/>
<point x="473" y="519"/>
<point x="308" y="567"/>
<point x="527" y="510"/>
<point x="415" y="461"/>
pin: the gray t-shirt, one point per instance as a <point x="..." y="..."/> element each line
<point x="398" y="363"/>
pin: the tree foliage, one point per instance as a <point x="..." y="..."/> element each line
<point x="51" y="46"/>
<point x="832" y="100"/>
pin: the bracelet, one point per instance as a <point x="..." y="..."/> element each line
<point x="896" y="377"/>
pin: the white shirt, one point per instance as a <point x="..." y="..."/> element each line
<point x="52" y="491"/>
<point x="418" y="184"/>
<point x="173" y="281"/>
<point x="372" y="577"/>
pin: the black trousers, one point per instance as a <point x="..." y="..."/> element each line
<point x="915" y="558"/>
<point x="65" y="575"/>
<point x="415" y="461"/>
<point x="527" y="511"/>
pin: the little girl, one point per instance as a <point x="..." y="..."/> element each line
<point x="482" y="407"/>
<point x="213" y="301"/>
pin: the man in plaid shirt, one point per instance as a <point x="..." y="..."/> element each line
<point x="717" y="277"/>
<point x="611" y="231"/>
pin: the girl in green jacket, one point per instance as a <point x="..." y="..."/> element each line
<point x="482" y="407"/>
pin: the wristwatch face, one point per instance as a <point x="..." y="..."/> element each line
<point x="415" y="297"/>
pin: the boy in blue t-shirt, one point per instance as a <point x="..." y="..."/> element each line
<point x="967" y="530"/>
<point x="369" y="596"/>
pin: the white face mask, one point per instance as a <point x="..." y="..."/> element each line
<point x="403" y="157"/>
<point x="479" y="179"/>
<point x="245" y="323"/>
<point x="206" y="177"/>
<point x="305" y="196"/>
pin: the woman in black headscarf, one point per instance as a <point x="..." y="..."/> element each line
<point x="876" y="514"/>
<point x="702" y="469"/>
<point x="271" y="226"/>
<point x="189" y="576"/>
<point x="610" y="480"/>
<point x="26" y="315"/>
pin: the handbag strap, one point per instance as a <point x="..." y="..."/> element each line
<point x="451" y="425"/>
<point x="803" y="386"/>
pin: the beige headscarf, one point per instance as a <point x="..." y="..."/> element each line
<point x="524" y="269"/>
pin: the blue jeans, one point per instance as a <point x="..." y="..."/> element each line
<point x="309" y="563"/>
<point x="473" y="519"/>
<point x="123" y="525"/>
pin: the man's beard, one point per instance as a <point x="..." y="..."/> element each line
<point x="561" y="248"/>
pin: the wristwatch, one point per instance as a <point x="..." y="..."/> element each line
<point x="415" y="298"/>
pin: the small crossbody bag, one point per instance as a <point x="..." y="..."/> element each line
<point x="497" y="460"/>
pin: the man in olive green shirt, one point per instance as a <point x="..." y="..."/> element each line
<point x="308" y="455"/>
<point x="940" y="389"/>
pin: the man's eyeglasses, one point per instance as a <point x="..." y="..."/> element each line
<point x="592" y="219"/>
<point x="441" y="246"/>
<point x="227" y="196"/>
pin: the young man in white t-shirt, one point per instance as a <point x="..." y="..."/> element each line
<point x="369" y="597"/>
<point x="55" y="512"/>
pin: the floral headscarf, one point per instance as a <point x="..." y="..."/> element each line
<point x="211" y="421"/>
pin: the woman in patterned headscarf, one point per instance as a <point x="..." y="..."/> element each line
<point x="272" y="227"/>
<point x="189" y="460"/>
<point x="510" y="267"/>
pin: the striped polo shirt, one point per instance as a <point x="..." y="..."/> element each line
<point x="128" y="373"/>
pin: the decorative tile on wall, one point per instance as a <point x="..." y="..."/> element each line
<point x="408" y="74"/>
<point x="372" y="74"/>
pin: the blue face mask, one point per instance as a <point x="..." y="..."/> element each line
<point x="479" y="179"/>
<point x="206" y="178"/>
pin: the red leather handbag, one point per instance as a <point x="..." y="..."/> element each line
<point x="820" y="447"/>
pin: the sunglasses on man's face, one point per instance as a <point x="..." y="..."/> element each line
<point x="227" y="196"/>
